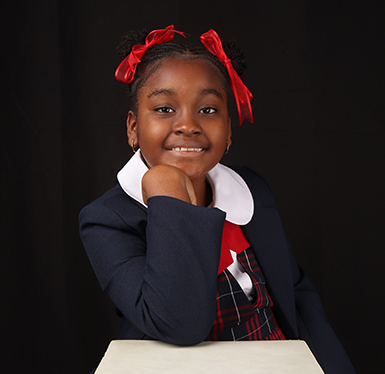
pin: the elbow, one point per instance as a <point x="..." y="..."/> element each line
<point x="191" y="333"/>
<point x="188" y="338"/>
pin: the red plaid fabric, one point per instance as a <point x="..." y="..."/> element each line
<point x="239" y="319"/>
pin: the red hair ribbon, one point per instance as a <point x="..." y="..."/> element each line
<point x="242" y="95"/>
<point x="126" y="70"/>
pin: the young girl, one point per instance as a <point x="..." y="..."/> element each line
<point x="189" y="249"/>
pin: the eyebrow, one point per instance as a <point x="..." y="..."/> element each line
<point x="211" y="91"/>
<point x="168" y="92"/>
<point x="162" y="91"/>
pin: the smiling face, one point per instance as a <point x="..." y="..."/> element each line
<point x="182" y="118"/>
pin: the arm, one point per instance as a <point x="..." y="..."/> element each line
<point x="161" y="276"/>
<point x="297" y="304"/>
<point x="314" y="328"/>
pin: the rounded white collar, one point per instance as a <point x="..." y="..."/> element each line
<point x="230" y="192"/>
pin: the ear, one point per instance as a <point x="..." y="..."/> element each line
<point x="229" y="133"/>
<point x="132" y="129"/>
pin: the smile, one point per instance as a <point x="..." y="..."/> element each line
<point x="185" y="149"/>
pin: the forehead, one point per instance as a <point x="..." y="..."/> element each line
<point x="185" y="75"/>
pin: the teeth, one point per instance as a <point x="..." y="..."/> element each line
<point x="183" y="149"/>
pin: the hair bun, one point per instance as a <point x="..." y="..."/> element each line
<point x="236" y="55"/>
<point x="134" y="37"/>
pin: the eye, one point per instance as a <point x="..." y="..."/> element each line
<point x="164" y="109"/>
<point x="208" y="110"/>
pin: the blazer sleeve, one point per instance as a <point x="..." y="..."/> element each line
<point x="314" y="328"/>
<point x="296" y="302"/>
<point x="160" y="271"/>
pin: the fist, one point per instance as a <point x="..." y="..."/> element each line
<point x="167" y="180"/>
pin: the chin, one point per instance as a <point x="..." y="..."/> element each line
<point x="192" y="174"/>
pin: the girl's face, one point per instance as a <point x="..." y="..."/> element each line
<point x="182" y="118"/>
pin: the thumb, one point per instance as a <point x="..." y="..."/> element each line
<point x="191" y="191"/>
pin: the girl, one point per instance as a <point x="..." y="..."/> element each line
<point x="188" y="249"/>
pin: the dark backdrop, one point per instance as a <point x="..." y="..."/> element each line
<point x="316" y="69"/>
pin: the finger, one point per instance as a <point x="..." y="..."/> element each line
<point x="191" y="191"/>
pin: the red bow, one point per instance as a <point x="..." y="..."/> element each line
<point x="232" y="238"/>
<point x="126" y="70"/>
<point x="242" y="95"/>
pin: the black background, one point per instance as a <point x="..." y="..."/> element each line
<point x="316" y="69"/>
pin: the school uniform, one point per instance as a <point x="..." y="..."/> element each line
<point x="158" y="263"/>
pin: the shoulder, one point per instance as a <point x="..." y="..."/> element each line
<point x="258" y="185"/>
<point x="113" y="207"/>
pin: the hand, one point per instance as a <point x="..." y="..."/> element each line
<point x="167" y="180"/>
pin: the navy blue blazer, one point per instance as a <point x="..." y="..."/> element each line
<point x="159" y="266"/>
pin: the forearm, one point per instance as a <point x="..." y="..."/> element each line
<point x="166" y="285"/>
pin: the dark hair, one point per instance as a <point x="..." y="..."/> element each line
<point x="151" y="60"/>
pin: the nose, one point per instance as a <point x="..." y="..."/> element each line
<point x="187" y="125"/>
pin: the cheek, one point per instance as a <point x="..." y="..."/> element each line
<point x="151" y="136"/>
<point x="220" y="135"/>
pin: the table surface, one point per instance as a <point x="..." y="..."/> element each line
<point x="267" y="357"/>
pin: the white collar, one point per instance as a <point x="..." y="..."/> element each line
<point x="230" y="191"/>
